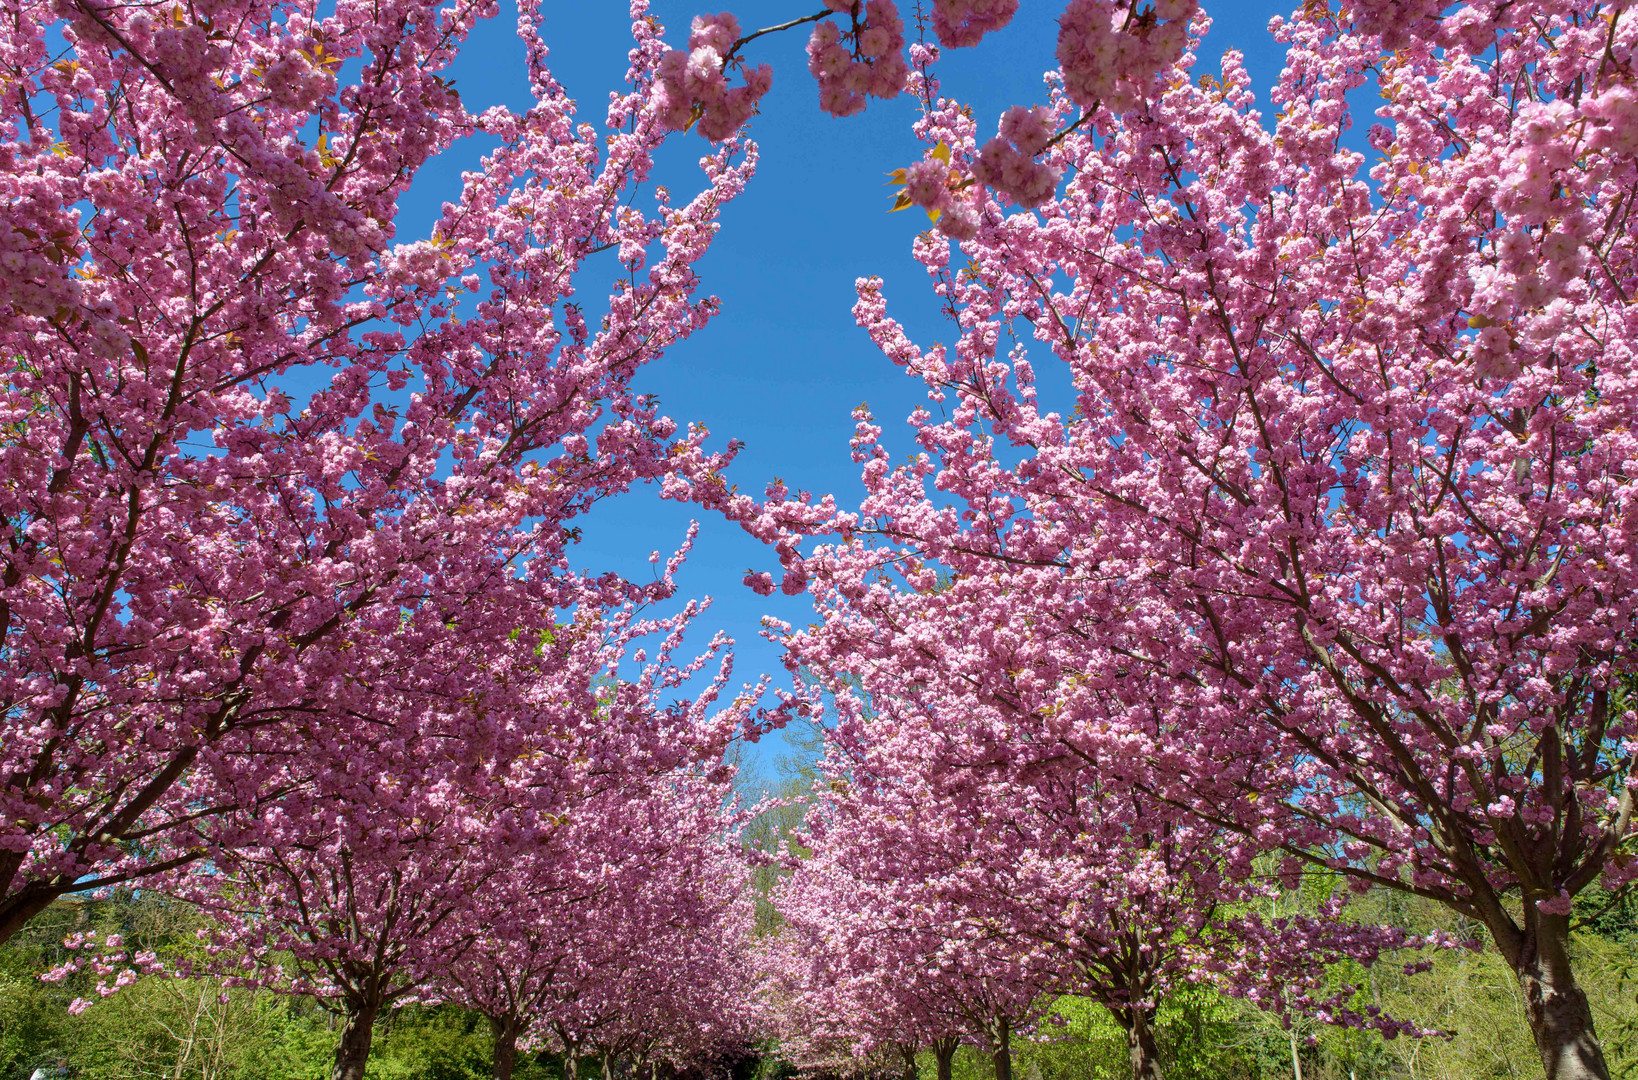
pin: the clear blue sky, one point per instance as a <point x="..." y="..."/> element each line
<point x="783" y="365"/>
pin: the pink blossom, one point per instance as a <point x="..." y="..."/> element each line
<point x="343" y="507"/>
<point x="1111" y="52"/>
<point x="964" y="22"/>
<point x="873" y="66"/>
<point x="693" y="86"/>
<point x="1007" y="162"/>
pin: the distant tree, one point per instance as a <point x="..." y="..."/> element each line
<point x="620" y="933"/>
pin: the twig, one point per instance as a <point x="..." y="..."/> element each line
<point x="748" y="38"/>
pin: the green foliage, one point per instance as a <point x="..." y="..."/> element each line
<point x="200" y="1029"/>
<point x="774" y="829"/>
<point x="1078" y="1041"/>
<point x="443" y="1042"/>
<point x="1469" y="995"/>
<point x="33" y="1023"/>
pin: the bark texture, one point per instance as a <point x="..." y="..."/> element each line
<point x="353" y="1052"/>
<point x="1141" y="1049"/>
<point x="1560" y="1017"/>
<point x="505" y="1031"/>
<point x="1001" y="1050"/>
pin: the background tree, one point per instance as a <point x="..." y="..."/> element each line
<point x="623" y="925"/>
<point x="874" y="955"/>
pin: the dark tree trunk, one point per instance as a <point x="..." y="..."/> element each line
<point x="1140" y="1043"/>
<point x="16" y="910"/>
<point x="907" y="1053"/>
<point x="1554" y="1003"/>
<point x="505" y="1030"/>
<point x="353" y="1052"/>
<point x="944" y="1054"/>
<point x="1003" y="1063"/>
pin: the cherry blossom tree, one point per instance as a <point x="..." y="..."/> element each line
<point x="270" y="466"/>
<point x="1321" y="505"/>
<point x="356" y="909"/>
<point x="620" y="932"/>
<point x="962" y="835"/>
<point x="374" y="884"/>
<point x="680" y="1000"/>
<point x="866" y="969"/>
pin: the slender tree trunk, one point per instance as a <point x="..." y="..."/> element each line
<point x="944" y="1054"/>
<point x="1140" y="1043"/>
<point x="1554" y="1003"/>
<point x="505" y="1031"/>
<point x="353" y="1052"/>
<point x="907" y="1053"/>
<point x="1001" y="1049"/>
<point x="608" y="1072"/>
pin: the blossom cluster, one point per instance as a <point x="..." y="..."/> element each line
<point x="1398" y="22"/>
<point x="960" y="23"/>
<point x="693" y="84"/>
<point x="862" y="62"/>
<point x="1110" y="51"/>
<point x="110" y="956"/>
<point x="1007" y="163"/>
<point x="939" y="189"/>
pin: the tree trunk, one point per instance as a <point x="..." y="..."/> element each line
<point x="1554" y="1003"/>
<point x="944" y="1054"/>
<point x="907" y="1053"/>
<point x="16" y="910"/>
<point x="1003" y="1063"/>
<point x="1001" y="1049"/>
<point x="353" y="1052"/>
<point x="1140" y="1043"/>
<point x="505" y="1031"/>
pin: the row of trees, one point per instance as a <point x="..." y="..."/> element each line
<point x="201" y="1029"/>
<point x="581" y="898"/>
<point x="1310" y="546"/>
<point x="950" y="910"/>
<point x="290" y="628"/>
<point x="625" y="948"/>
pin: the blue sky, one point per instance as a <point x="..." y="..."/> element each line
<point x="783" y="365"/>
